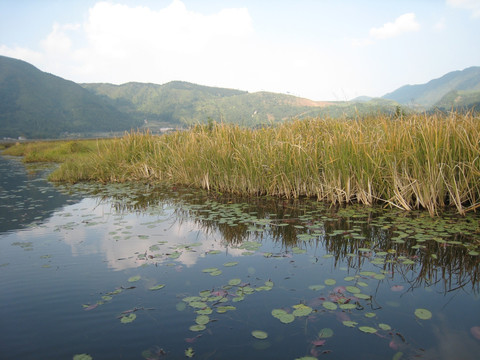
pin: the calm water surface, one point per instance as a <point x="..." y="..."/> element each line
<point x="151" y="272"/>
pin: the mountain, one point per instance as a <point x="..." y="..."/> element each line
<point x="427" y="95"/>
<point x="182" y="103"/>
<point x="36" y="104"/>
<point x="460" y="100"/>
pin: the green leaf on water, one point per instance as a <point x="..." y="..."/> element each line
<point x="385" y="327"/>
<point x="349" y="278"/>
<point x="224" y="309"/>
<point x="82" y="357"/>
<point x="368" y="273"/>
<point x="325" y="333"/>
<point x="283" y="316"/>
<point x="347" y="306"/>
<point x="198" y="304"/>
<point x="473" y="253"/>
<point x="352" y="289"/>
<point x="330" y="282"/>
<point x="213" y="252"/>
<point x="234" y="282"/>
<point x="369" y="314"/>
<point x="306" y="358"/>
<point x="329" y="305"/>
<point x="302" y="310"/>
<point x="216" y="273"/>
<point x="128" y="318"/>
<point x="202" y="319"/>
<point x="230" y="264"/>
<point x="363" y="296"/>
<point x="204" y="311"/>
<point x="423" y="314"/>
<point x="297" y="250"/>
<point x="349" y="323"/>
<point x="197" y="327"/>
<point x="209" y="270"/>
<point x="174" y="255"/>
<point x="258" y="334"/>
<point x="189" y="352"/>
<point x="156" y="287"/>
<point x="367" y="329"/>
<point x="134" y="278"/>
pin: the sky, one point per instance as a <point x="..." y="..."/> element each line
<point x="318" y="49"/>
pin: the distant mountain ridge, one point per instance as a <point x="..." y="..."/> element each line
<point x="36" y="104"/>
<point x="41" y="105"/>
<point x="183" y="103"/>
<point x="429" y="94"/>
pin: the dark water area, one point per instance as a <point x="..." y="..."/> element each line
<point x="155" y="272"/>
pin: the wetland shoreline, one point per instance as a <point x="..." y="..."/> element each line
<point x="418" y="161"/>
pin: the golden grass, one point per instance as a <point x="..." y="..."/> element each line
<point x="419" y="161"/>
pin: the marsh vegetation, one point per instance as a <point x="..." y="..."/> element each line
<point x="413" y="162"/>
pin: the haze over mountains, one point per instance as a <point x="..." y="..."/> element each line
<point x="35" y="104"/>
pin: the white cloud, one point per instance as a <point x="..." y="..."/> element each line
<point x="119" y="43"/>
<point x="404" y="23"/>
<point x="361" y="42"/>
<point x="473" y="5"/>
<point x="440" y="25"/>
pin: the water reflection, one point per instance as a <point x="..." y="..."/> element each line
<point x="423" y="251"/>
<point x="26" y="198"/>
<point x="91" y="263"/>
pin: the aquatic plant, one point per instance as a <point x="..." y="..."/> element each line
<point x="416" y="162"/>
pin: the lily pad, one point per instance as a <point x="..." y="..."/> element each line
<point x="330" y="282"/>
<point x="329" y="305"/>
<point x="202" y="319"/>
<point x="258" y="334"/>
<point x="128" y="318"/>
<point x="352" y="289"/>
<point x="423" y="314"/>
<point x="367" y="329"/>
<point x="234" y="282"/>
<point x="349" y="323"/>
<point x="157" y="287"/>
<point x="134" y="278"/>
<point x="325" y="333"/>
<point x="302" y="310"/>
<point x="189" y="353"/>
<point x="197" y="327"/>
<point x="82" y="357"/>
<point x="385" y="327"/>
<point x="230" y="264"/>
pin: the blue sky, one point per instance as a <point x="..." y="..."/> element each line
<point x="318" y="49"/>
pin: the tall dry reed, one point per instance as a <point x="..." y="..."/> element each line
<point x="419" y="161"/>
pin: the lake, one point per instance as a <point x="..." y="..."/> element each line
<point x="160" y="272"/>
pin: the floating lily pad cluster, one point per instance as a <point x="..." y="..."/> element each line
<point x="218" y="301"/>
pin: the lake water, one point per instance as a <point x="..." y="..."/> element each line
<point x="152" y="272"/>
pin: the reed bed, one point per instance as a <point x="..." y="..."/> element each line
<point x="415" y="162"/>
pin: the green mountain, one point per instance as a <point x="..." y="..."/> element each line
<point x="427" y="95"/>
<point x="460" y="100"/>
<point x="36" y="104"/>
<point x="182" y="103"/>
